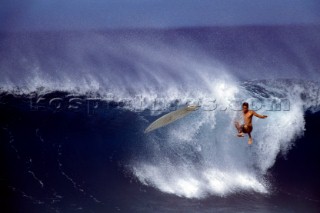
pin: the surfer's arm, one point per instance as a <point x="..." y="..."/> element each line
<point x="258" y="115"/>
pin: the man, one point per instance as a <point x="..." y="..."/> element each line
<point x="247" y="126"/>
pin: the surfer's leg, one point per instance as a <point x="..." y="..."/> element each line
<point x="239" y="128"/>
<point x="237" y="125"/>
<point x="250" y="138"/>
<point x="248" y="129"/>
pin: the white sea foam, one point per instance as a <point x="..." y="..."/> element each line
<point x="211" y="159"/>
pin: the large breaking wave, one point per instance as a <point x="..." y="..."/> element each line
<point x="199" y="155"/>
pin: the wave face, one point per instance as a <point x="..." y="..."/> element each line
<point x="149" y="73"/>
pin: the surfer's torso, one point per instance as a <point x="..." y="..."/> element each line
<point x="247" y="118"/>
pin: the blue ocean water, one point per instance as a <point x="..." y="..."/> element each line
<point x="74" y="106"/>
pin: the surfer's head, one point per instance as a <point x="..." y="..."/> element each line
<point x="245" y="107"/>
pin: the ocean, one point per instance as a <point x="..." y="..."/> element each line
<point x="74" y="107"/>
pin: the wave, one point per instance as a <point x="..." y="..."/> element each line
<point x="150" y="75"/>
<point x="200" y="154"/>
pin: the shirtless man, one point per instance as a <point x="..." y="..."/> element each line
<point x="247" y="126"/>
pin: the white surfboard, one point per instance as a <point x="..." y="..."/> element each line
<point x="171" y="117"/>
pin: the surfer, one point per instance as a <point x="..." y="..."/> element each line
<point x="247" y="126"/>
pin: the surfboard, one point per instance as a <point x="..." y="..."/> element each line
<point x="170" y="117"/>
